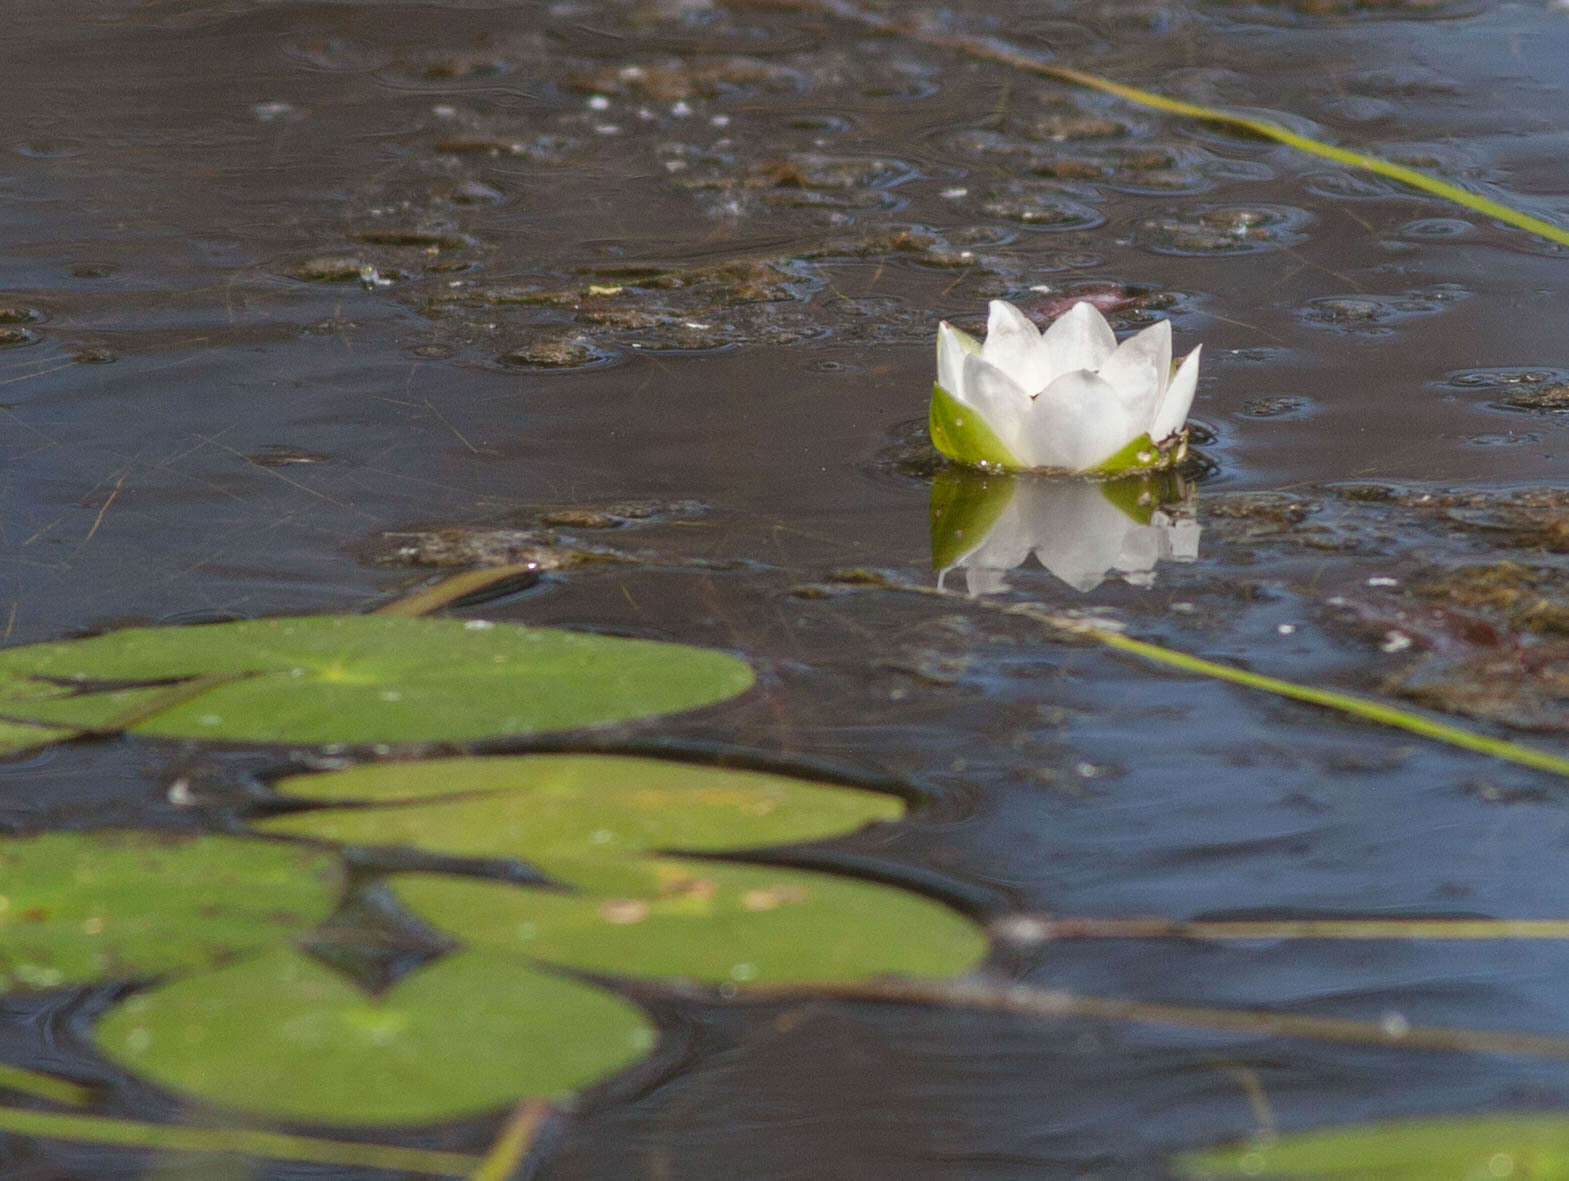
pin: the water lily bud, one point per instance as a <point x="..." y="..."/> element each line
<point x="1068" y="399"/>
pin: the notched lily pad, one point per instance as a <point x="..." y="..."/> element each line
<point x="705" y="920"/>
<point x="286" y="1037"/>
<point x="361" y="679"/>
<point x="79" y="907"/>
<point x="591" y="822"/>
<point x="550" y="808"/>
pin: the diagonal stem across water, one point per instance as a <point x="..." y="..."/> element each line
<point x="1000" y="52"/>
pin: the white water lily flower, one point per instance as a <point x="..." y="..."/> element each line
<point x="1079" y="530"/>
<point x="1069" y="399"/>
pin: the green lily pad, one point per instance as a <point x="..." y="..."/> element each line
<point x="547" y="808"/>
<point x="359" y="679"/>
<point x="705" y="920"/>
<point x="1534" y="1146"/>
<point x="19" y="736"/>
<point x="285" y="1037"/>
<point x="592" y="821"/>
<point x="77" y="907"/>
<point x="963" y="435"/>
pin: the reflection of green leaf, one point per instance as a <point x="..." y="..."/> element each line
<point x="1139" y="496"/>
<point x="550" y="807"/>
<point x="363" y="679"/>
<point x="1534" y="1146"/>
<point x="964" y="507"/>
<point x="81" y="907"/>
<point x="706" y="920"/>
<point x="962" y="434"/>
<point x="283" y="1036"/>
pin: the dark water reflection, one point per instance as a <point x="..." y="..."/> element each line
<point x="295" y="277"/>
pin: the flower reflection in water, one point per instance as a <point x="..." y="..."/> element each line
<point x="1080" y="530"/>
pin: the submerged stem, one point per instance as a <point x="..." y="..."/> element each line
<point x="1026" y="1001"/>
<point x="1039" y="929"/>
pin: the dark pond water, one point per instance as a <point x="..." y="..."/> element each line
<point x="304" y="299"/>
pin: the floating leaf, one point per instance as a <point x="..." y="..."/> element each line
<point x="1534" y="1146"/>
<point x="708" y="921"/>
<point x="546" y="808"/>
<point x="590" y="821"/>
<point x="18" y="736"/>
<point x="286" y="1037"/>
<point x="77" y="907"/>
<point x="360" y="679"/>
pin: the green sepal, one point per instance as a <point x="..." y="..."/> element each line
<point x="964" y="507"/>
<point x="963" y="435"/>
<point x="1143" y="455"/>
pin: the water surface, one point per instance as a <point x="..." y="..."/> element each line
<point x="291" y="285"/>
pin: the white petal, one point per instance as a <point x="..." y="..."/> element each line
<point x="997" y="398"/>
<point x="952" y="347"/>
<point x="1174" y="407"/>
<point x="1139" y="370"/>
<point x="1013" y="344"/>
<point x="984" y="581"/>
<point x="1080" y="534"/>
<point x="1080" y="338"/>
<point x="1142" y="547"/>
<point x="1075" y="423"/>
<point x="1182" y="539"/>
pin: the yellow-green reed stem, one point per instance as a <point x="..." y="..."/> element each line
<point x="1051" y="1004"/>
<point x="1346" y="703"/>
<point x="515" y="1142"/>
<point x="281" y="1146"/>
<point x="1365" y="708"/>
<point x="985" y="49"/>
<point x="43" y="1086"/>
<point x="1314" y="147"/>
